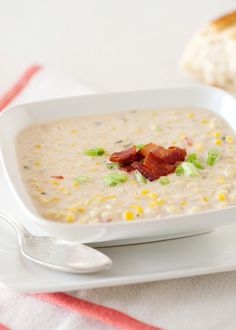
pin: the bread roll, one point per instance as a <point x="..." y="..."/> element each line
<point x="211" y="55"/>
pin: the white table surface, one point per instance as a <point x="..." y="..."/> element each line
<point x="115" y="45"/>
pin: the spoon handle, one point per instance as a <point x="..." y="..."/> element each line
<point x="11" y="221"/>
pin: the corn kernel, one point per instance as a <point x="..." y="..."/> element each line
<point x="54" y="199"/>
<point x="138" y="208"/>
<point x="153" y="195"/>
<point x="205" y="199"/>
<point x="73" y="131"/>
<point x="54" y="182"/>
<point x="160" y="201"/>
<point x="54" y="215"/>
<point x="190" y="115"/>
<point x="216" y="134"/>
<point x="204" y="121"/>
<point x="157" y="202"/>
<point x="37" y="146"/>
<point x="64" y="190"/>
<point x="70" y="217"/>
<point x="218" y="141"/>
<point x="76" y="209"/>
<point x="37" y="163"/>
<point x="173" y="142"/>
<point x="128" y="215"/>
<point x="229" y="139"/>
<point x="144" y="191"/>
<point x="221" y="197"/>
<point x="75" y="183"/>
<point x="152" y="204"/>
<point x="183" y="202"/>
<point x="221" y="179"/>
<point x="105" y="198"/>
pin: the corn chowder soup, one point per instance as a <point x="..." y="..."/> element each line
<point x="66" y="165"/>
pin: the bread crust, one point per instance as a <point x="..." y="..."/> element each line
<point x="224" y="22"/>
<point x="210" y="55"/>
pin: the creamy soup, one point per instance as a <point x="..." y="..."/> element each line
<point x="65" y="165"/>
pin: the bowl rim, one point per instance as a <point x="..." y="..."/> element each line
<point x="40" y="220"/>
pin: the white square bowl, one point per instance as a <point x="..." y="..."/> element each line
<point x="16" y="118"/>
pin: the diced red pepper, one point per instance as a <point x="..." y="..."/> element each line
<point x="59" y="177"/>
<point x="188" y="141"/>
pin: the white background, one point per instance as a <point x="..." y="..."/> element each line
<point x="115" y="45"/>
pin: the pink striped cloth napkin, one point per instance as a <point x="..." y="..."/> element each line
<point x="198" y="303"/>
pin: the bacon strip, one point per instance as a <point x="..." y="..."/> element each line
<point x="151" y="160"/>
<point x="170" y="155"/>
<point x="147" y="148"/>
<point x="126" y="168"/>
<point x="154" y="173"/>
<point x="124" y="156"/>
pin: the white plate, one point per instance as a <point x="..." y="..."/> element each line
<point x="16" y="118"/>
<point x="202" y="254"/>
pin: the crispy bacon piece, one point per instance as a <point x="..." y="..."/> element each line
<point x="127" y="156"/>
<point x="147" y="148"/>
<point x="126" y="168"/>
<point x="158" y="161"/>
<point x="155" y="172"/>
<point x="170" y="155"/>
<point x="151" y="160"/>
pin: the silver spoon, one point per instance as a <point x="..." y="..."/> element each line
<point x="57" y="254"/>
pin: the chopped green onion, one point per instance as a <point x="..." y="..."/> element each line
<point x="197" y="164"/>
<point x="190" y="169"/>
<point x="111" y="166"/>
<point x="212" y="156"/>
<point x="114" y="178"/>
<point x="139" y="146"/>
<point x="179" y="170"/>
<point x="191" y="158"/>
<point x="81" y="179"/>
<point x="164" y="180"/>
<point x="139" y="177"/>
<point x="157" y="128"/>
<point x="99" y="151"/>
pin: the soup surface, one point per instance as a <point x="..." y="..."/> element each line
<point x="66" y="169"/>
